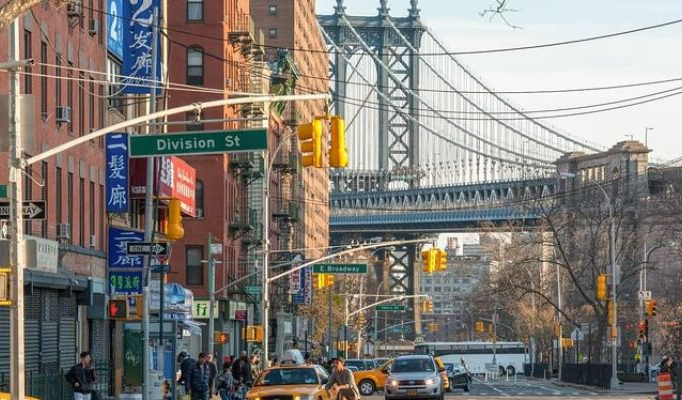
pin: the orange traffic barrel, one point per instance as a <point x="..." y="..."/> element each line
<point x="665" y="387"/>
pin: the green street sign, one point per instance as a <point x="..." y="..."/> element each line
<point x="390" y="307"/>
<point x="253" y="289"/>
<point x="198" y="142"/>
<point x="3" y="191"/>
<point x="340" y="268"/>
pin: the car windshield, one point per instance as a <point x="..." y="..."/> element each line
<point x="412" y="365"/>
<point x="449" y="367"/>
<point x="288" y="376"/>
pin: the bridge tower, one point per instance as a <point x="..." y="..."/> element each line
<point x="398" y="136"/>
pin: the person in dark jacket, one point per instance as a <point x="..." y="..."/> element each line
<point x="81" y="378"/>
<point x="198" y="379"/>
<point x="213" y="371"/>
<point x="241" y="369"/>
<point x="186" y="362"/>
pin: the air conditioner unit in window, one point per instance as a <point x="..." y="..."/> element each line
<point x="93" y="241"/>
<point x="74" y="9"/>
<point x="64" y="115"/>
<point x="94" y="27"/>
<point x="64" y="232"/>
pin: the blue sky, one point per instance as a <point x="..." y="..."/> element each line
<point x="645" y="56"/>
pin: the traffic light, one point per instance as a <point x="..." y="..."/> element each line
<point x="641" y="329"/>
<point x="338" y="154"/>
<point x="174" y="229"/>
<point x="328" y="280"/>
<point x="253" y="333"/>
<point x="432" y="326"/>
<point x="429" y="260"/>
<point x="567" y="343"/>
<point x="601" y="287"/>
<point x="441" y="260"/>
<point x="361" y="321"/>
<point x="310" y="137"/>
<point x="490" y="329"/>
<point x="323" y="281"/>
<point x="221" y="337"/>
<point x="651" y="308"/>
<point x="427" y="306"/>
<point x="609" y="312"/>
<point x="557" y="330"/>
<point x="479" y="327"/>
<point x="118" y="308"/>
<point x="5" y="289"/>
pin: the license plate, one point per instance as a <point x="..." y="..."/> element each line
<point x="412" y="392"/>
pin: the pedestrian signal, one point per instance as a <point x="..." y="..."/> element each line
<point x="118" y="308"/>
<point x="221" y="337"/>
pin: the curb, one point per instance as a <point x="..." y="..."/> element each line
<point x="600" y="390"/>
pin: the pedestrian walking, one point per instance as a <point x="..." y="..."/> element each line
<point x="198" y="379"/>
<point x="225" y="382"/>
<point x="341" y="384"/>
<point x="186" y="363"/>
<point x="81" y="377"/>
<point x="255" y="367"/>
<point x="213" y="372"/>
<point x="241" y="369"/>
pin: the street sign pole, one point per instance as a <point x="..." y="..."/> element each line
<point x="211" y="296"/>
<point x="149" y="221"/>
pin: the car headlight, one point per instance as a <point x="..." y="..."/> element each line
<point x="303" y="397"/>
<point x="430" y="381"/>
<point x="393" y="382"/>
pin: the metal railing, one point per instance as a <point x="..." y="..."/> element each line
<point x="598" y="375"/>
<point x="53" y="385"/>
<point x="539" y="370"/>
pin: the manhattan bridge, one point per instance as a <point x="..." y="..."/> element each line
<point x="432" y="147"/>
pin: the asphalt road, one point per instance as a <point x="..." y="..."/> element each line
<point x="532" y="390"/>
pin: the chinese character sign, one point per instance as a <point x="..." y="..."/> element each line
<point x="177" y="179"/>
<point x="115" y="27"/>
<point x="117" y="172"/>
<point x="125" y="282"/>
<point x="137" y="46"/>
<point x="118" y="255"/>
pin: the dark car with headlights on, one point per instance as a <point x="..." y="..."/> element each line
<point x="458" y="376"/>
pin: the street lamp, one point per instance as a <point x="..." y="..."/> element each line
<point x="646" y="136"/>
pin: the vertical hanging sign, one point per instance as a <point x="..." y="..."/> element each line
<point x="137" y="46"/>
<point x="115" y="27"/>
<point x="117" y="172"/>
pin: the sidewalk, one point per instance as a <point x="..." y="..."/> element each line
<point x="625" y="387"/>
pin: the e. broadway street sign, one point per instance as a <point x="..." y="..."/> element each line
<point x="31" y="209"/>
<point x="340" y="268"/>
<point x="198" y="142"/>
<point x="143" y="248"/>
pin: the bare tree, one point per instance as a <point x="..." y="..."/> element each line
<point x="499" y="9"/>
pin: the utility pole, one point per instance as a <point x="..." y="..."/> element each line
<point x="265" y="301"/>
<point x="211" y="297"/>
<point x="329" y="323"/>
<point x="558" y="340"/>
<point x="16" y="224"/>
<point x="149" y="221"/>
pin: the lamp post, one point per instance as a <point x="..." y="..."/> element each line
<point x="646" y="136"/>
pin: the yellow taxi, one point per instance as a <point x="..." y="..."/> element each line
<point x="292" y="380"/>
<point x="443" y="374"/>
<point x="6" y="396"/>
<point x="370" y="381"/>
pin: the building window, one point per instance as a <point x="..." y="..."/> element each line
<point x="28" y="53"/>
<point x="101" y="110"/>
<point x="195" y="10"/>
<point x="272" y="9"/>
<point x="193" y="265"/>
<point x="81" y="104"/>
<point x="43" y="80"/>
<point x="69" y="200"/>
<point x="92" y="105"/>
<point x="272" y="33"/>
<point x="58" y="192"/>
<point x="102" y="216"/>
<point x="195" y="66"/>
<point x="58" y="80"/>
<point x="114" y="70"/>
<point x="69" y="95"/>
<point x="44" y="195"/>
<point x="199" y="199"/>
<point x="91" y="200"/>
<point x="81" y="219"/>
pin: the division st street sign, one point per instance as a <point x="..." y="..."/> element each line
<point x="390" y="307"/>
<point x="189" y="143"/>
<point x="253" y="289"/>
<point x="144" y="248"/>
<point x="31" y="209"/>
<point x="340" y="268"/>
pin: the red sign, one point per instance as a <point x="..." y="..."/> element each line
<point x="176" y="179"/>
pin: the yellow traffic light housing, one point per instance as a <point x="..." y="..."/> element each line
<point x="441" y="260"/>
<point x="654" y="308"/>
<point x="427" y="306"/>
<point x="310" y="137"/>
<point x="338" y="154"/>
<point x="253" y="333"/>
<point x="601" y="287"/>
<point x="479" y="327"/>
<point x="221" y="337"/>
<point x="429" y="260"/>
<point x="328" y="280"/>
<point x="174" y="229"/>
<point x="557" y="330"/>
<point x="609" y="312"/>
<point x="432" y="327"/>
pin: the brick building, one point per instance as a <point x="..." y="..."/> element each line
<point x="67" y="88"/>
<point x="292" y="25"/>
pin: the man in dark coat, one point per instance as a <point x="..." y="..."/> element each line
<point x="81" y="378"/>
<point x="198" y="379"/>
<point x="186" y="362"/>
<point x="241" y="369"/>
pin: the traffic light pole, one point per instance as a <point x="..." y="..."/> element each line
<point x="211" y="297"/>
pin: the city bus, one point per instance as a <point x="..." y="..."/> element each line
<point x="478" y="356"/>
